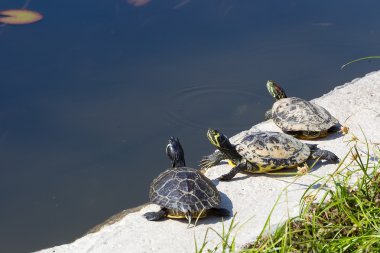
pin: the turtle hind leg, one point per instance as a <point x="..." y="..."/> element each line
<point x="219" y="212"/>
<point x="310" y="135"/>
<point x="313" y="147"/>
<point x="228" y="176"/>
<point x="307" y="135"/>
<point x="324" y="155"/>
<point x="295" y="134"/>
<point x="335" y="128"/>
<point x="154" y="216"/>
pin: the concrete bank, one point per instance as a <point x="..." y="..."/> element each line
<point x="355" y="104"/>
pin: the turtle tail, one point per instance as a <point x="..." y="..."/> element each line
<point x="325" y="155"/>
<point x="212" y="160"/>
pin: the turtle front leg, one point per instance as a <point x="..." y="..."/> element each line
<point x="228" y="176"/>
<point x="212" y="160"/>
<point x="324" y="155"/>
<point x="154" y="216"/>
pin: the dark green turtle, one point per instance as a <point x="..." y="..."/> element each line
<point x="262" y="152"/>
<point x="183" y="192"/>
<point x="299" y="118"/>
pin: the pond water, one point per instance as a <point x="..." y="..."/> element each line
<point x="90" y="94"/>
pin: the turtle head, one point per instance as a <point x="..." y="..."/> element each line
<point x="216" y="138"/>
<point x="221" y="142"/>
<point x="175" y="152"/>
<point x="275" y="90"/>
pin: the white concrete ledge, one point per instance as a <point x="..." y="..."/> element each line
<point x="355" y="104"/>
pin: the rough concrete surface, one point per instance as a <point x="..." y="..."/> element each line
<point x="251" y="197"/>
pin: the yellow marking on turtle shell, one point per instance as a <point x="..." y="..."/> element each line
<point x="183" y="216"/>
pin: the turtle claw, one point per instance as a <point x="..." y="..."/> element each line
<point x="205" y="163"/>
<point x="151" y="216"/>
<point x="333" y="158"/>
<point x="212" y="160"/>
<point x="154" y="216"/>
<point x="225" y="177"/>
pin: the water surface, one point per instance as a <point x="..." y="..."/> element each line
<point x="91" y="93"/>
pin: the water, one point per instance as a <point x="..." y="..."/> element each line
<point x="90" y="94"/>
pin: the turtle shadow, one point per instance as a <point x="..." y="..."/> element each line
<point x="319" y="164"/>
<point x="225" y="203"/>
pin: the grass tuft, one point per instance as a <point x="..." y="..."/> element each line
<point x="346" y="218"/>
<point x="227" y="243"/>
<point x="341" y="215"/>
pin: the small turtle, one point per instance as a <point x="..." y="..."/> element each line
<point x="299" y="118"/>
<point x="262" y="152"/>
<point x="183" y="192"/>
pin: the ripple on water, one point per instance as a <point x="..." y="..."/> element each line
<point x="229" y="108"/>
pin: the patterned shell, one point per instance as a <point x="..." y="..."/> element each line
<point x="184" y="189"/>
<point x="273" y="149"/>
<point x="295" y="114"/>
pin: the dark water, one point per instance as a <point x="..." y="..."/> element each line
<point x="90" y="94"/>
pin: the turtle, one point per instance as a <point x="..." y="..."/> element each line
<point x="298" y="117"/>
<point x="183" y="192"/>
<point x="262" y="152"/>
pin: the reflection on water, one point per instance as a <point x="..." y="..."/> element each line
<point x="90" y="95"/>
<point x="229" y="108"/>
<point x="138" y="3"/>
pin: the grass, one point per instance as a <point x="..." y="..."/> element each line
<point x="227" y="243"/>
<point x="360" y="59"/>
<point x="343" y="218"/>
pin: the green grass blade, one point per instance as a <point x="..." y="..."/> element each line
<point x="360" y="59"/>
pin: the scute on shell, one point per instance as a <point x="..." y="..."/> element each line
<point x="184" y="189"/>
<point x="273" y="148"/>
<point x="296" y="114"/>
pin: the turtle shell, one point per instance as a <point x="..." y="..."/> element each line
<point x="184" y="190"/>
<point x="272" y="150"/>
<point x="295" y="114"/>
